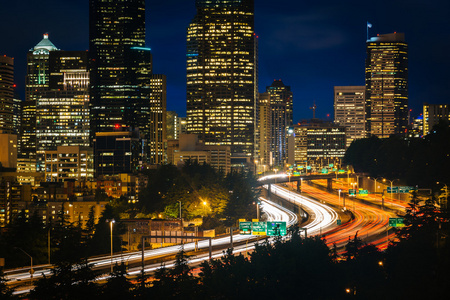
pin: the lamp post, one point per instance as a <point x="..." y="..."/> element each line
<point x="31" y="263"/>
<point x="375" y="179"/>
<point x="340" y="196"/>
<point x="111" y="222"/>
<point x="204" y="206"/>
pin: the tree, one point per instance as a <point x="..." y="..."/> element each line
<point x="117" y="285"/>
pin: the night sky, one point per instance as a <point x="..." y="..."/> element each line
<point x="310" y="46"/>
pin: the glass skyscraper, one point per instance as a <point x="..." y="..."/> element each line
<point x="221" y="76"/>
<point x="387" y="85"/>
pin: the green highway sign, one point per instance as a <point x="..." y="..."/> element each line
<point x="258" y="228"/>
<point x="276" y="228"/>
<point x="394" y="190"/>
<point x="245" y="228"/>
<point x="330" y="165"/>
<point x="396" y="222"/>
<point x="308" y="167"/>
<point x="405" y="189"/>
<point x="339" y="222"/>
<point x="341" y="171"/>
<point x="324" y="171"/>
<point x="352" y="192"/>
<point x="363" y="192"/>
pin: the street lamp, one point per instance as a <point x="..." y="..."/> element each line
<point x="111" y="222"/>
<point x="204" y="205"/>
<point x="340" y="196"/>
<point x="31" y="263"/>
<point x="375" y="179"/>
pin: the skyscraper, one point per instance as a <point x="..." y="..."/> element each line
<point x="121" y="69"/>
<point x="37" y="82"/>
<point x="349" y="111"/>
<point x="6" y="94"/>
<point x="119" y="63"/>
<point x="387" y="85"/>
<point x="221" y="77"/>
<point x="62" y="112"/>
<point x="157" y="138"/>
<point x="432" y="114"/>
<point x="275" y="116"/>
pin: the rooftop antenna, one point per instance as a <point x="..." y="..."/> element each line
<point x="314" y="109"/>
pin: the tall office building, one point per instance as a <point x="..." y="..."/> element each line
<point x="119" y="64"/>
<point x="387" y="85"/>
<point x="432" y="114"/>
<point x="37" y="82"/>
<point x="121" y="74"/>
<point x="173" y="125"/>
<point x="349" y="111"/>
<point x="157" y="131"/>
<point x="264" y="133"/>
<point x="281" y="104"/>
<point x="6" y="95"/>
<point x="62" y="112"/>
<point x="221" y="75"/>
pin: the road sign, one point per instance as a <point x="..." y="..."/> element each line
<point x="330" y="165"/>
<point x="308" y="167"/>
<point x="405" y="189"/>
<point x="339" y="222"/>
<point x="396" y="222"/>
<point x="352" y="192"/>
<point x="394" y="190"/>
<point x="363" y="192"/>
<point x="276" y="228"/>
<point x="341" y="171"/>
<point x="245" y="228"/>
<point x="324" y="171"/>
<point x="258" y="228"/>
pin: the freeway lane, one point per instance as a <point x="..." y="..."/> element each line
<point x="369" y="222"/>
<point x="274" y="211"/>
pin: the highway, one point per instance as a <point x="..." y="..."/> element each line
<point x="274" y="213"/>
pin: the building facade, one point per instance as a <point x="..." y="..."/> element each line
<point x="221" y="74"/>
<point x="319" y="144"/>
<point x="157" y="132"/>
<point x="69" y="163"/>
<point x="387" y="85"/>
<point x="7" y="95"/>
<point x="37" y="82"/>
<point x="120" y="66"/>
<point x="350" y="111"/>
<point x="432" y="114"/>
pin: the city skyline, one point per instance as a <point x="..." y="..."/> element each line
<point x="305" y="45"/>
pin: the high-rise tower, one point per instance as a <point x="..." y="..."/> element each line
<point x="221" y="75"/>
<point x="349" y="111"/>
<point x="37" y="82"/>
<point x="387" y="85"/>
<point x="120" y="65"/>
<point x="121" y="69"/>
<point x="6" y="95"/>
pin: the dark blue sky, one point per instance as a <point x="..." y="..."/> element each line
<point x="310" y="46"/>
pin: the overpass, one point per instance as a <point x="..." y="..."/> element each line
<point x="281" y="178"/>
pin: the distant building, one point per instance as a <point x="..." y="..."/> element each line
<point x="7" y="95"/>
<point x="69" y="163"/>
<point x="432" y="113"/>
<point x="10" y="196"/>
<point x="157" y="131"/>
<point x="387" y="85"/>
<point x="322" y="142"/>
<point x="117" y="152"/>
<point x="190" y="148"/>
<point x="265" y="159"/>
<point x="173" y="125"/>
<point x="8" y="150"/>
<point x="349" y="111"/>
